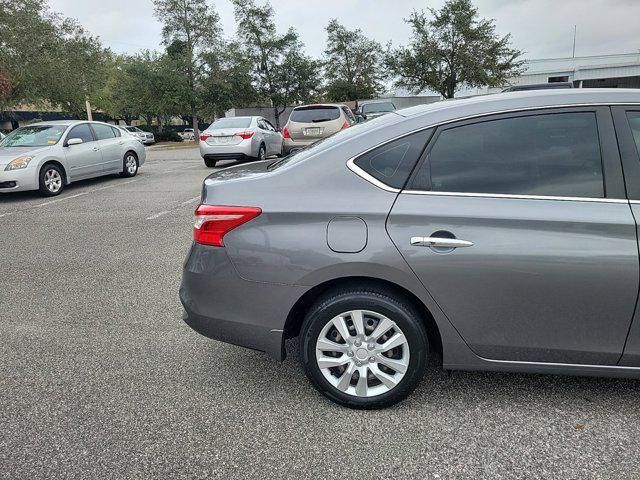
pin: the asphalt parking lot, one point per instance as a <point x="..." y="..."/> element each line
<point x="100" y="378"/>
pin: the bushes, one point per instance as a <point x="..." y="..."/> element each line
<point x="167" y="136"/>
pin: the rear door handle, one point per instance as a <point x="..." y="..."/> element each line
<point x="440" y="242"/>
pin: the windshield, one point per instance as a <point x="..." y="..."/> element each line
<point x="34" y="136"/>
<point x="330" y="141"/>
<point x="231" y="122"/>
<point x="378" y="107"/>
<point x="314" y="114"/>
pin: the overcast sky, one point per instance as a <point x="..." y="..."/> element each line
<point x="542" y="28"/>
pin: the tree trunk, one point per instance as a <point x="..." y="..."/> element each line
<point x="277" y="115"/>
<point x="194" y="122"/>
<point x="159" y="123"/>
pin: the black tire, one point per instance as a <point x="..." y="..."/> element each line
<point x="209" y="163"/>
<point x="377" y="300"/>
<point x="262" y="153"/>
<point x="129" y="165"/>
<point x="48" y="173"/>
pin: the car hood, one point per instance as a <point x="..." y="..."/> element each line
<point x="9" y="153"/>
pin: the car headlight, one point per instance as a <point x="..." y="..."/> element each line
<point x="18" y="163"/>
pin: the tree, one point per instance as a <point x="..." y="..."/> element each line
<point x="454" y="48"/>
<point x="281" y="72"/>
<point x="354" y="64"/>
<point x="46" y="59"/>
<point x="227" y="81"/>
<point x="196" y="25"/>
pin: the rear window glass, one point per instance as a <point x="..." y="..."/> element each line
<point x="314" y="114"/>
<point x="393" y="162"/>
<point x="378" y="107"/>
<point x="231" y="122"/>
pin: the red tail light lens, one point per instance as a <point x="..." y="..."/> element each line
<point x="244" y="135"/>
<point x="213" y="222"/>
<point x="204" y="136"/>
<point x="285" y="133"/>
<point x="345" y="125"/>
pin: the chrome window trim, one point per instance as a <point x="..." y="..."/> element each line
<point x="515" y="196"/>
<point x="369" y="178"/>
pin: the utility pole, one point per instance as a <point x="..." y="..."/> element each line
<point x="89" y="115"/>
<point x="575" y="30"/>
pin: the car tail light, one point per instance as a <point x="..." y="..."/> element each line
<point x="204" y="136"/>
<point x="244" y="135"/>
<point x="213" y="222"/>
<point x="345" y="125"/>
<point x="285" y="133"/>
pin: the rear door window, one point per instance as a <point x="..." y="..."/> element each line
<point x="634" y="123"/>
<point x="315" y="114"/>
<point x="103" y="132"/>
<point x="546" y="155"/>
<point x="393" y="162"/>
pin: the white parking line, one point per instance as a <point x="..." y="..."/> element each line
<point x="191" y="200"/>
<point x="158" y="215"/>
<point x="57" y="200"/>
<point x="6" y="214"/>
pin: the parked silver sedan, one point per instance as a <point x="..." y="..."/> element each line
<point x="145" y="137"/>
<point x="48" y="156"/>
<point x="239" y="138"/>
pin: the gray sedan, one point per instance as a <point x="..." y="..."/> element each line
<point x="494" y="233"/>
<point x="239" y="138"/>
<point x="48" y="156"/>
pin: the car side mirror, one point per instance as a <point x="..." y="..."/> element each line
<point x="74" y="141"/>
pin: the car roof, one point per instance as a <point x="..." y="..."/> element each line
<point x="453" y="109"/>
<point x="66" y="122"/>
<point x="320" y="105"/>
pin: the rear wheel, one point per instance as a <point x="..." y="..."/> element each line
<point x="262" y="153"/>
<point x="129" y="165"/>
<point x="364" y="348"/>
<point x="51" y="180"/>
<point x="209" y="163"/>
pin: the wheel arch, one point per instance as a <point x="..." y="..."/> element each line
<point x="58" y="164"/>
<point x="299" y="310"/>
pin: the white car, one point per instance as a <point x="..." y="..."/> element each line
<point x="239" y="138"/>
<point x="48" y="156"/>
<point x="188" y="134"/>
<point x="145" y="137"/>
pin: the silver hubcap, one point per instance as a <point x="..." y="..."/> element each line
<point x="130" y="164"/>
<point x="261" y="154"/>
<point x="362" y="353"/>
<point x="52" y="180"/>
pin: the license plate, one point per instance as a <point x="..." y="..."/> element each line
<point x="223" y="140"/>
<point x="313" y="131"/>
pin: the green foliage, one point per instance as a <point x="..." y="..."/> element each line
<point x="451" y="49"/>
<point x="226" y="82"/>
<point x="167" y="136"/>
<point x="354" y="64"/>
<point x="46" y="59"/>
<point x="189" y="28"/>
<point x="281" y="72"/>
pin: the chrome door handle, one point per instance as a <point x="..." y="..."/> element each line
<point x="440" y="242"/>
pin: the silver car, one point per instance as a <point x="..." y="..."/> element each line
<point x="48" y="156"/>
<point x="239" y="138"/>
<point x="493" y="233"/>
<point x="146" y="138"/>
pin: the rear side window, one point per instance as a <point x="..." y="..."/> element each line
<point x="314" y="114"/>
<point x="551" y="154"/>
<point x="103" y="132"/>
<point x="634" y="123"/>
<point x="82" y="131"/>
<point x="116" y="132"/>
<point x="393" y="162"/>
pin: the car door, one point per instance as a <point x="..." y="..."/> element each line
<point x="110" y="146"/>
<point x="519" y="228"/>
<point x="84" y="159"/>
<point x="266" y="137"/>
<point x="627" y="122"/>
<point x="274" y="137"/>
